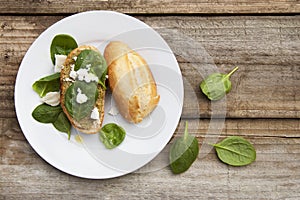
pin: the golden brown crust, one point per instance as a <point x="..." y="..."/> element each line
<point x="85" y="125"/>
<point x="131" y="82"/>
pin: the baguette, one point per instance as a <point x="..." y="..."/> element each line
<point x="86" y="125"/>
<point x="131" y="81"/>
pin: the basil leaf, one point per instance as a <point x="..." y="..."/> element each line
<point x="76" y="110"/>
<point x="47" y="84"/>
<point x="62" y="44"/>
<point x="95" y="60"/>
<point x="235" y="151"/>
<point x="216" y="85"/>
<point x="45" y="113"/>
<point x="112" y="135"/>
<point x="183" y="152"/>
<point x="63" y="124"/>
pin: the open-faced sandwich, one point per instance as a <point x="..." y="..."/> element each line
<point x="82" y="88"/>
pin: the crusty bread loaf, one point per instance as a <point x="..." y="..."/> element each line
<point x="131" y="82"/>
<point x="86" y="125"/>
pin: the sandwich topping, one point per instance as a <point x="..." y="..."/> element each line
<point x="88" y="71"/>
<point x="51" y="98"/>
<point x="59" y="61"/>
<point x="81" y="98"/>
<point x="95" y="113"/>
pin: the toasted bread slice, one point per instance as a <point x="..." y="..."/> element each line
<point x="85" y="125"/>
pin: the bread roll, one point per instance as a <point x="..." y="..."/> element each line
<point x="131" y="82"/>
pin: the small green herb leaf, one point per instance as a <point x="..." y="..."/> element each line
<point x="76" y="110"/>
<point x="112" y="135"/>
<point x="47" y="84"/>
<point x="63" y="124"/>
<point x="183" y="152"/>
<point x="46" y="114"/>
<point x="96" y="62"/>
<point x="216" y="85"/>
<point x="235" y="151"/>
<point x="62" y="44"/>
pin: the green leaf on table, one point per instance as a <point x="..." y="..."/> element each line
<point x="183" y="152"/>
<point x="235" y="151"/>
<point x="216" y="85"/>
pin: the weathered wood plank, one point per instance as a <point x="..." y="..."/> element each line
<point x="15" y="150"/>
<point x="267" y="50"/>
<point x="150" y="6"/>
<point x="274" y="175"/>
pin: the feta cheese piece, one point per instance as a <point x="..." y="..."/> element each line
<point x="73" y="74"/>
<point x="82" y="73"/>
<point x="90" y="77"/>
<point x="75" y="58"/>
<point x="95" y="114"/>
<point x="59" y="61"/>
<point x="81" y="98"/>
<point x="52" y="98"/>
<point x="113" y="111"/>
<point x="88" y="67"/>
<point x="68" y="79"/>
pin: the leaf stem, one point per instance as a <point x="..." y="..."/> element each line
<point x="185" y="131"/>
<point x="69" y="135"/>
<point x="211" y="144"/>
<point x="230" y="73"/>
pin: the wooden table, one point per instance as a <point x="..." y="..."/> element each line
<point x="261" y="37"/>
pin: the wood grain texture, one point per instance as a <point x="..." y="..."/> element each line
<point x="274" y="175"/>
<point x="266" y="48"/>
<point x="205" y="35"/>
<point x="150" y="6"/>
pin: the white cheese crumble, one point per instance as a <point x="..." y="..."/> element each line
<point x="95" y="114"/>
<point x="90" y="77"/>
<point x="113" y="111"/>
<point x="68" y="79"/>
<point x="51" y="98"/>
<point x="81" y="98"/>
<point x="84" y="75"/>
<point x="59" y="61"/>
<point x="88" y="66"/>
<point x="75" y="58"/>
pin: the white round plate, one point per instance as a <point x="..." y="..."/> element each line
<point x="90" y="159"/>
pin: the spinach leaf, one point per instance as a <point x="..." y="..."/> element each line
<point x="112" y="135"/>
<point x="47" y="84"/>
<point x="46" y="114"/>
<point x="235" y="151"/>
<point x="53" y="114"/>
<point x="96" y="61"/>
<point x="76" y="110"/>
<point x="63" y="124"/>
<point x="62" y="44"/>
<point x="216" y="85"/>
<point x="183" y="152"/>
